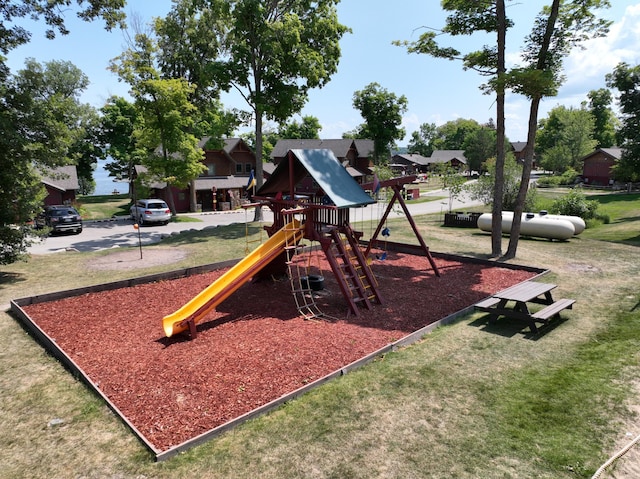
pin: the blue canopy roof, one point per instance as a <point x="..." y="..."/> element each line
<point x="325" y="169"/>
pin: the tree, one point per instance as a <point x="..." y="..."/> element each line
<point x="452" y="135"/>
<point x="173" y="155"/>
<point x="13" y="34"/>
<point x="421" y="140"/>
<point x="468" y="17"/>
<point x="479" y="146"/>
<point x="309" y="128"/>
<point x="558" y="28"/>
<point x="382" y="112"/>
<point x="85" y="151"/>
<point x="34" y="129"/>
<point x="452" y="181"/>
<point x="275" y="52"/>
<point x="605" y="121"/>
<point x="120" y="119"/>
<point x="484" y="188"/>
<point x="564" y="137"/>
<point x="626" y="79"/>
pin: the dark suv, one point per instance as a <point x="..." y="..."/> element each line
<point x="60" y="218"/>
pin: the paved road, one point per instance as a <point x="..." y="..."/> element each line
<point x="118" y="233"/>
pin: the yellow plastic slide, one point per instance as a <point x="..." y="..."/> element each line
<point x="229" y="282"/>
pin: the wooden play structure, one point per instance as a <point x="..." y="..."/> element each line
<point x="311" y="195"/>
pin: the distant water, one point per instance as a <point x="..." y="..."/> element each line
<point x="104" y="183"/>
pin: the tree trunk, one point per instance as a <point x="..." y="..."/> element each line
<point x="498" y="191"/>
<point x="259" y="170"/>
<point x="541" y="65"/>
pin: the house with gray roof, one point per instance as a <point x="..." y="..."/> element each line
<point x="61" y="184"/>
<point x="409" y="163"/>
<point x="455" y="158"/>
<point x="221" y="186"/>
<point x="597" y="166"/>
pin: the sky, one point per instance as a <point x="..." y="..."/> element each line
<point x="437" y="90"/>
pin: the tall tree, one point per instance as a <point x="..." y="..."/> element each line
<point x="119" y="121"/>
<point x="276" y="51"/>
<point x="421" y="140"/>
<point x="626" y="79"/>
<point x="479" y="146"/>
<point x="32" y="133"/>
<point x="467" y="18"/>
<point x="168" y="117"/>
<point x="557" y="29"/>
<point x="564" y="137"/>
<point x="382" y="112"/>
<point x="452" y="135"/>
<point x="605" y="121"/>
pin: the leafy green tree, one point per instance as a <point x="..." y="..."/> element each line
<point x="85" y="151"/>
<point x="483" y="189"/>
<point x="557" y="29"/>
<point x="190" y="45"/>
<point x="626" y="79"/>
<point x="564" y="137"/>
<point x="421" y="140"/>
<point x="35" y="131"/>
<point x="275" y="52"/>
<point x="605" y="121"/>
<point x="309" y="128"/>
<point x="168" y="118"/>
<point x="116" y="138"/>
<point x="13" y="33"/>
<point x="452" y="181"/>
<point x="479" y="146"/>
<point x="382" y="112"/>
<point x="452" y="135"/>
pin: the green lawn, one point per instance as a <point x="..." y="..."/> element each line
<point x="465" y="402"/>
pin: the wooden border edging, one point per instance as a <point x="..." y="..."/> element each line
<point x="51" y="346"/>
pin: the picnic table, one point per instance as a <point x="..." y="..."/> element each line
<point x="519" y="296"/>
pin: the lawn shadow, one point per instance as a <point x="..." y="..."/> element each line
<point x="510" y="327"/>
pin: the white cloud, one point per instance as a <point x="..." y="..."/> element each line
<point x="586" y="69"/>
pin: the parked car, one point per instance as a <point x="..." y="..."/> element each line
<point x="60" y="218"/>
<point x="150" y="211"/>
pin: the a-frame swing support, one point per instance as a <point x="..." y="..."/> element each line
<point x="396" y="185"/>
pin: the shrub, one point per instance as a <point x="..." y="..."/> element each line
<point x="575" y="203"/>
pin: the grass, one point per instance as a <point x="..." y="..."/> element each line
<point x="103" y="206"/>
<point x="466" y="402"/>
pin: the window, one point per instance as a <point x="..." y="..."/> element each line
<point x="248" y="167"/>
<point x="238" y="168"/>
<point x="211" y="169"/>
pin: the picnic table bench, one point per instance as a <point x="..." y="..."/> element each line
<point x="521" y="294"/>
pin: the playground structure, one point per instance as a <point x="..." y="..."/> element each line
<point x="318" y="211"/>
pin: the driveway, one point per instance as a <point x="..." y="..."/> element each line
<point x="121" y="233"/>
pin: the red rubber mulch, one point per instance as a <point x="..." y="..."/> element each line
<point x="254" y="348"/>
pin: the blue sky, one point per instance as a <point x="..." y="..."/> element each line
<point x="437" y="90"/>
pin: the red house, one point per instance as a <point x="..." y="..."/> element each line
<point x="596" y="166"/>
<point x="221" y="187"/>
<point x="61" y="184"/>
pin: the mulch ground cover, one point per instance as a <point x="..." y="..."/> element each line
<point x="254" y="348"/>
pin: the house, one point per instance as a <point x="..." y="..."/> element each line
<point x="409" y="163"/>
<point x="355" y="155"/>
<point x="61" y="184"/>
<point x="517" y="148"/>
<point x="596" y="166"/>
<point x="221" y="187"/>
<point x="454" y="158"/>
